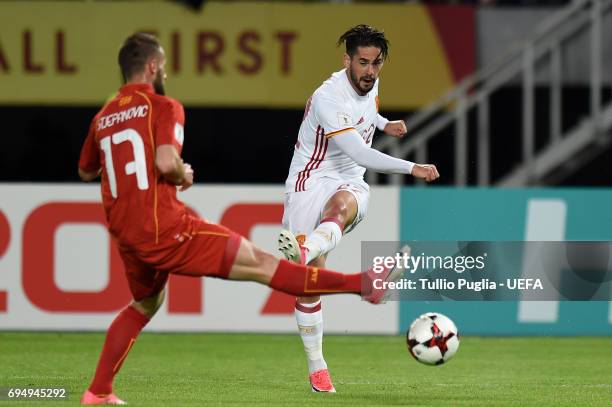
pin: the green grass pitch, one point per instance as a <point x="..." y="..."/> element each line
<point x="257" y="369"/>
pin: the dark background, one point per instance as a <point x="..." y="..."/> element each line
<point x="42" y="143"/>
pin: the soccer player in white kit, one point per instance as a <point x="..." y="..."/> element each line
<point x="325" y="193"/>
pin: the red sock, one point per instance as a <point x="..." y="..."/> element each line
<point x="119" y="340"/>
<point x="301" y="281"/>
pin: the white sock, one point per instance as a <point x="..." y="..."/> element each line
<point x="310" y="325"/>
<point x="322" y="240"/>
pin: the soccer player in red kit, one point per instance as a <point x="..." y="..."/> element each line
<point x="134" y="144"/>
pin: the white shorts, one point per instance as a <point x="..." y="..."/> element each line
<point x="303" y="210"/>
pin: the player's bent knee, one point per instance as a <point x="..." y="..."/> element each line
<point x="341" y="206"/>
<point x="149" y="306"/>
<point x="336" y="209"/>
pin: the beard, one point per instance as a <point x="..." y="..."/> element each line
<point x="363" y="87"/>
<point x="158" y="84"/>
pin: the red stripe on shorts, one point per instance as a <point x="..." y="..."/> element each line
<point x="231" y="250"/>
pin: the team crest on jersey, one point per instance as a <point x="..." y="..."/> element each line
<point x="344" y="119"/>
<point x="179" y="133"/>
<point x="125" y="100"/>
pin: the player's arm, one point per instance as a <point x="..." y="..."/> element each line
<point x="167" y="158"/>
<point x="89" y="161"/>
<point x="351" y="144"/>
<point x="332" y="115"/>
<point x="172" y="168"/>
<point x="395" y="128"/>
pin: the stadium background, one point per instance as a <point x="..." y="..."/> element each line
<point x="243" y="72"/>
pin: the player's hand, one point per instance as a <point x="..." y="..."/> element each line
<point x="396" y="128"/>
<point x="428" y="172"/>
<point x="188" y="180"/>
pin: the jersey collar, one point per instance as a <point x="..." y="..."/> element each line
<point x="137" y="87"/>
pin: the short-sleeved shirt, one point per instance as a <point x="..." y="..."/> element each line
<point x="333" y="109"/>
<point x="141" y="206"/>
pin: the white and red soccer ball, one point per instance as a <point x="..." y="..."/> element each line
<point x="432" y="339"/>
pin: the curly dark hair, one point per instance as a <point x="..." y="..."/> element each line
<point x="363" y="35"/>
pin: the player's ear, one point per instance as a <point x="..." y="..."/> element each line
<point x="346" y="60"/>
<point x="152" y="66"/>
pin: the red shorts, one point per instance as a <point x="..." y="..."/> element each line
<point x="202" y="249"/>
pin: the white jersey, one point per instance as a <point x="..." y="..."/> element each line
<point x="334" y="108"/>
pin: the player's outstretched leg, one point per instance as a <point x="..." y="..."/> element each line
<point x="120" y="338"/>
<point x="254" y="264"/>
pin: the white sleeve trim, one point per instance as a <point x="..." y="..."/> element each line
<point x="381" y="122"/>
<point x="351" y="144"/>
